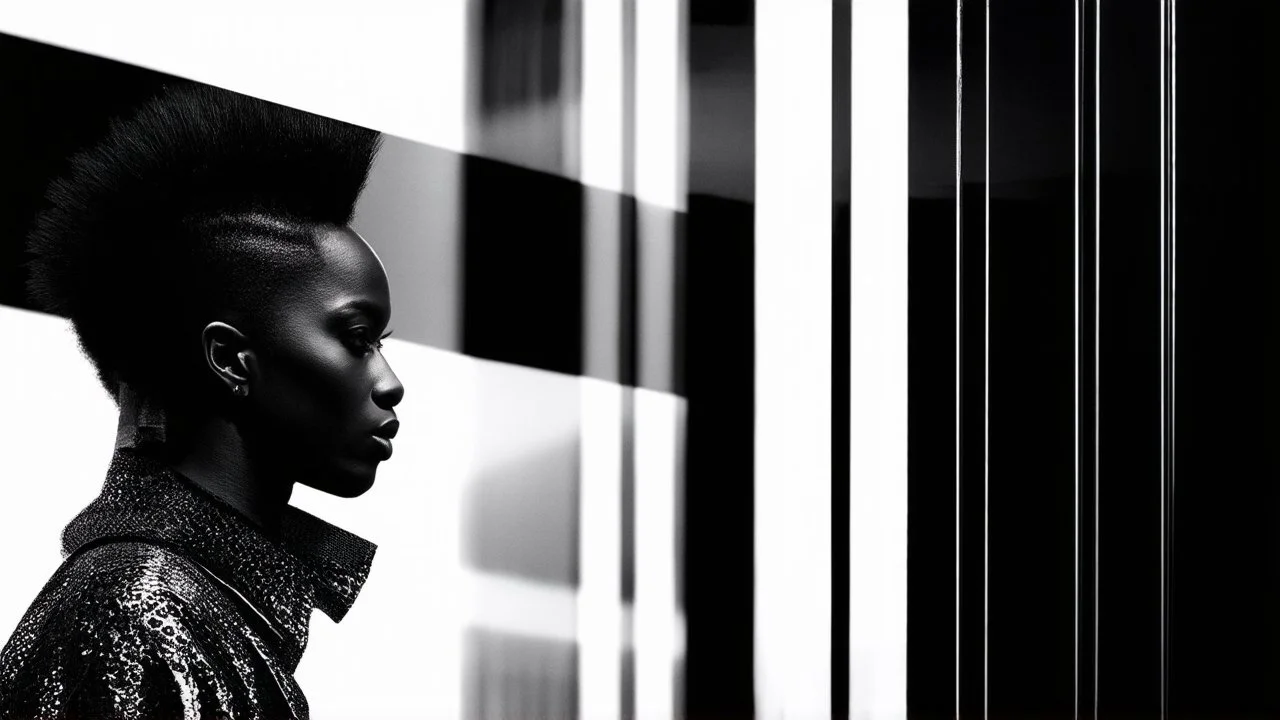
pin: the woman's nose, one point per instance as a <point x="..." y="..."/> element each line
<point x="389" y="391"/>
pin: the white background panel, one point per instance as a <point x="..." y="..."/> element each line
<point x="398" y="67"/>
<point x="405" y="630"/>
<point x="793" y="358"/>
<point x="878" y="363"/>
<point x="57" y="435"/>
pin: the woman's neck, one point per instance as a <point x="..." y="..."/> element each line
<point x="218" y="460"/>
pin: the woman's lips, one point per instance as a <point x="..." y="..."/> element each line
<point x="382" y="447"/>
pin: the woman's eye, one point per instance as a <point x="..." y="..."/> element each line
<point x="364" y="339"/>
<point x="361" y="339"/>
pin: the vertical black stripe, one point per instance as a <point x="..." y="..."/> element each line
<point x="931" y="549"/>
<point x="841" y="129"/>
<point x="628" y="307"/>
<point x="1224" y="625"/>
<point x="973" y="306"/>
<point x="720" y="371"/>
<point x="1031" y="360"/>
<point x="720" y="532"/>
<point x="1129" y="354"/>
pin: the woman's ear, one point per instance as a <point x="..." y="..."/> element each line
<point x="227" y="353"/>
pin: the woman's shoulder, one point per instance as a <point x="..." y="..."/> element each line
<point x="148" y="593"/>
<point x="117" y="622"/>
<point x="126" y="580"/>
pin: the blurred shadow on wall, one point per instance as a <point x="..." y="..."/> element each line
<point x="524" y="84"/>
<point x="521" y="518"/>
<point x="520" y="528"/>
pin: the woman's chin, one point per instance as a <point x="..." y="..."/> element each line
<point x="352" y="480"/>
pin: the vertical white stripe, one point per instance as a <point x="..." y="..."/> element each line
<point x="600" y="551"/>
<point x="660" y="172"/>
<point x="878" y="362"/>
<point x="1164" y="649"/>
<point x="1097" y="332"/>
<point x="602" y="88"/>
<point x="601" y="156"/>
<point x="656" y="623"/>
<point x="396" y="67"/>
<point x="1173" y="266"/>
<point x="1076" y="260"/>
<point x="986" y="370"/>
<point x="793" y="358"/>
<point x="959" y="287"/>
<point x="659" y="160"/>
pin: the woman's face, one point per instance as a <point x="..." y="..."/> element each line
<point x="322" y="395"/>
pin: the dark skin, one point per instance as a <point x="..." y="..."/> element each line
<point x="320" y="398"/>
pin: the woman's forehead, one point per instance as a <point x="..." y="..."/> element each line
<point x="349" y="272"/>
<point x="348" y="260"/>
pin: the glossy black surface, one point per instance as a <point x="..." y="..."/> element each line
<point x="1225" y="616"/>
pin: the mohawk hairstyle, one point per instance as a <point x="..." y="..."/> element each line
<point x="201" y="198"/>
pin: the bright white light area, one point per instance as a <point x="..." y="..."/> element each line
<point x="659" y="157"/>
<point x="602" y="89"/>
<point x="398" y="67"/>
<point x="600" y="554"/>
<point x="656" y="622"/>
<point x="878" y="367"/>
<point x="793" y="359"/>
<point x="57" y="435"/>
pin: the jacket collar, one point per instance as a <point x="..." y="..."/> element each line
<point x="310" y="565"/>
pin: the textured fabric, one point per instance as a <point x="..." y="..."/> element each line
<point x="142" y="420"/>
<point x="171" y="604"/>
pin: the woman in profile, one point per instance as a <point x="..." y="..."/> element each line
<point x="203" y="253"/>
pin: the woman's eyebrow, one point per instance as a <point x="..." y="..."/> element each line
<point x="374" y="310"/>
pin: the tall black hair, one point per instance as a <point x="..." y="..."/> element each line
<point x="203" y="198"/>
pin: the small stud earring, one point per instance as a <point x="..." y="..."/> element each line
<point x="241" y="390"/>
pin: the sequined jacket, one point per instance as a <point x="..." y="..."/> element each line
<point x="170" y="604"/>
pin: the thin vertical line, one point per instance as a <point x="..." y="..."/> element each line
<point x="986" y="369"/>
<point x="1097" y="327"/>
<point x="1169" y="123"/>
<point x="959" y="188"/>
<point x="1075" y="696"/>
<point x="1173" y="255"/>
<point x="1164" y="386"/>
